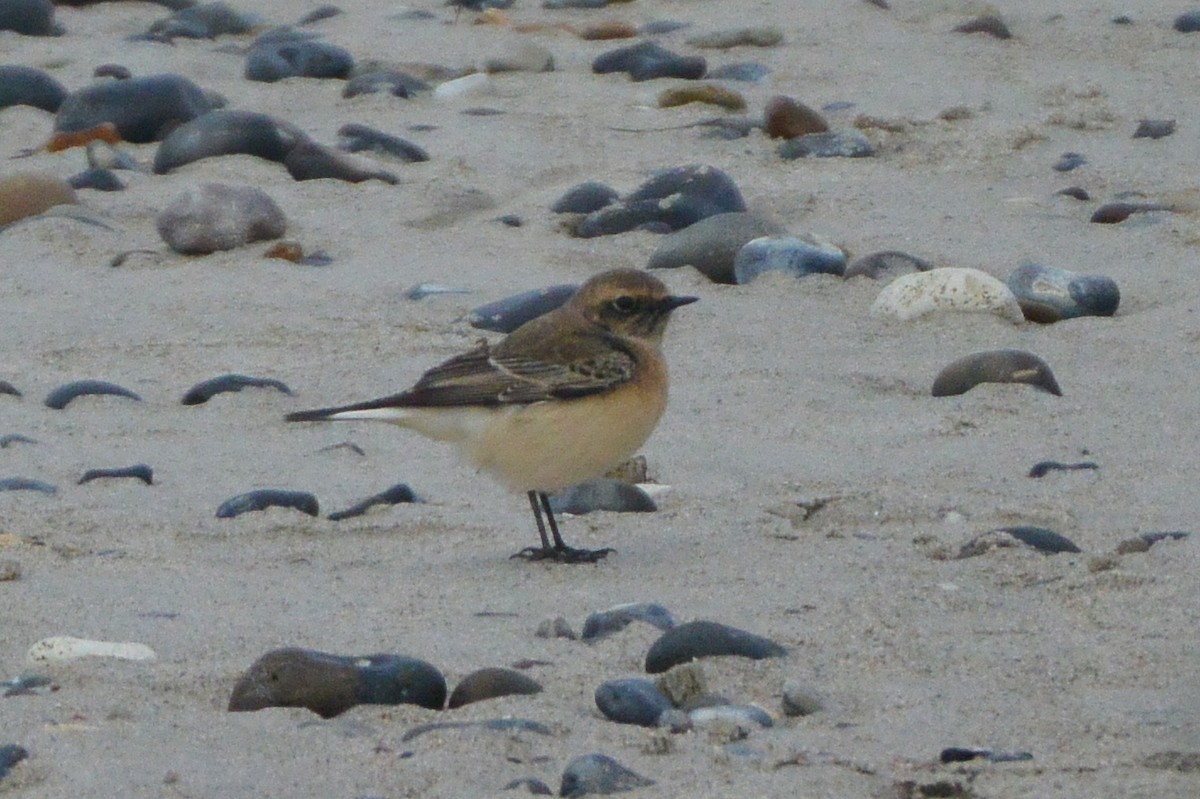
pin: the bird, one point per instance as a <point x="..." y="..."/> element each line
<point x="560" y="400"/>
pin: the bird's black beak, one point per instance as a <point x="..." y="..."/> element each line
<point x="671" y="303"/>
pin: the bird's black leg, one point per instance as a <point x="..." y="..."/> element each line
<point x="535" y="503"/>
<point x="559" y="551"/>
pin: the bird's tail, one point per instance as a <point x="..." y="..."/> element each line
<point x="384" y="409"/>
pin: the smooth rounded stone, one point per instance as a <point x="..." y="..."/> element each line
<point x="29" y="18"/>
<point x="524" y="57"/>
<point x="64" y="648"/>
<point x="786" y="254"/>
<point x="699" y="639"/>
<point x="1187" y="22"/>
<point x="1068" y="162"/>
<point x="1075" y="193"/>
<point x="1050" y="294"/>
<point x="584" y="198"/>
<point x="649" y="60"/>
<point x="707" y="93"/>
<point x="506" y="315"/>
<point x="684" y="684"/>
<point x="394" y="81"/>
<point x="946" y="289"/>
<point x="995" y="366"/>
<point x="27" y="484"/>
<point x="1039" y="539"/>
<point x="764" y="36"/>
<point x="886" y="265"/>
<point x="309" y="160"/>
<point x="1142" y="543"/>
<point x="205" y="390"/>
<point x="396" y="495"/>
<point x="800" y="700"/>
<point x="476" y="84"/>
<point x="60" y="397"/>
<point x="742" y="71"/>
<point x="204" y="21"/>
<point x="605" y="622"/>
<point x="26" y="194"/>
<point x="263" y="498"/>
<point x="139" y="471"/>
<point x="556" y="627"/>
<point x="490" y="683"/>
<point x="102" y="155"/>
<point x="560" y="4"/>
<point x="97" y="180"/>
<point x="746" y="716"/>
<point x="1154" y="128"/>
<point x="785" y="118"/>
<point x="597" y="773"/>
<point x="844" y="143"/>
<point x="217" y="216"/>
<point x="273" y="60"/>
<point x="144" y="109"/>
<point x="21" y="85"/>
<point x="602" y="494"/>
<point x="632" y="701"/>
<point x="11" y="755"/>
<point x="319" y="14"/>
<point x="1043" y="468"/>
<point x="1116" y="212"/>
<point x="114" y="71"/>
<point x="991" y="24"/>
<point x="609" y="29"/>
<point x="687" y="194"/>
<point x="8" y="439"/>
<point x="9" y="389"/>
<point x="354" y="138"/>
<point x="227" y="132"/>
<point x="330" y="684"/>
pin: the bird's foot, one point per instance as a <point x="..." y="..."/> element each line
<point x="563" y="555"/>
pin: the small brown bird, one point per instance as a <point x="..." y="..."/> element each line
<point x="562" y="399"/>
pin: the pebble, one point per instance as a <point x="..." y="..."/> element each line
<point x="675" y="197"/>
<point x="995" y="366"/>
<point x="632" y="701"/>
<point x="506" y="315"/>
<point x="114" y="71"/>
<point x="602" y="494"/>
<point x="204" y="21"/>
<point x="489" y="683"/>
<point x="1050" y="294"/>
<point x="556" y="627"/>
<point x="264" y="498"/>
<point x="887" y="264"/>
<point x="711" y="245"/>
<point x="1040" y="539"/>
<point x="28" y="685"/>
<point x="476" y="84"/>
<point x="329" y="684"/>
<point x="699" y="639"/>
<point x="661" y="27"/>
<point x="1142" y="543"/>
<point x="227" y="132"/>
<point x="9" y="389"/>
<point x="319" y="14"/>
<point x="1043" y="468"/>
<point x="963" y="754"/>
<point x="583" y="198"/>
<point x="990" y="24"/>
<point x="605" y="622"/>
<point x="1116" y="212"/>
<point x="1154" y="128"/>
<point x="63" y="648"/>
<point x="742" y="71"/>
<point x="144" y="109"/>
<point x="397" y="494"/>
<point x="707" y="93"/>
<point x="8" y="439"/>
<point x="531" y="784"/>
<point x="354" y="138"/>
<point x="686" y="686"/>
<point x="786" y="254"/>
<point x="745" y="716"/>
<point x="1075" y="193"/>
<point x="1068" y="162"/>
<point x="29" y="18"/>
<point x="524" y="57"/>
<point x="11" y="755"/>
<point x="217" y="216"/>
<point x="946" y="289"/>
<point x="97" y="180"/>
<point x="765" y="36"/>
<point x="205" y="390"/>
<point x="649" y="60"/>
<point x="396" y="82"/>
<point x="785" y="118"/>
<point x="26" y="484"/>
<point x="26" y="194"/>
<point x="60" y="397"/>
<point x="1187" y="22"/>
<point x="845" y="143"/>
<point x="139" y="471"/>
<point x="603" y="31"/>
<point x="10" y="570"/>
<point x="309" y="160"/>
<point x="273" y="58"/>
<point x="800" y="700"/>
<point x="20" y="85"/>
<point x="597" y="773"/>
<point x="507" y="724"/>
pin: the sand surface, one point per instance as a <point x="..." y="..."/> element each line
<point x="784" y="392"/>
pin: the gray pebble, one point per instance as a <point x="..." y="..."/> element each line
<point x="264" y="498"/>
<point x="602" y="494"/>
<point x="699" y="639"/>
<point x="886" y="265"/>
<point x="359" y="138"/>
<point x="11" y="755"/>
<point x="1068" y="162"/>
<point x="395" y="82"/>
<point x="648" y="60"/>
<point x="216" y="216"/>
<point x="844" y="143"/>
<point x="97" y="180"/>
<point x="605" y="622"/>
<point x="556" y="627"/>
<point x="585" y="198"/>
<point x="1154" y="128"/>
<point x="21" y="85"/>
<point x="26" y="484"/>
<point x="227" y="132"/>
<point x="144" y="109"/>
<point x="1040" y="539"/>
<point x="799" y="700"/>
<point x="139" y="471"/>
<point x="60" y="397"/>
<point x="489" y="683"/>
<point x="786" y="254"/>
<point x="1187" y="22"/>
<point x="29" y="18"/>
<point x="995" y="366"/>
<point x="597" y="773"/>
<point x="274" y="58"/>
<point x="711" y="245"/>
<point x="397" y="494"/>
<point x="1049" y="294"/>
<point x="207" y="389"/>
<point x="506" y="315"/>
<point x="746" y="72"/>
<point x="632" y="701"/>
<point x="309" y="160"/>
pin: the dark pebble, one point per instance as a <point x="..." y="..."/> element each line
<point x="1069" y="161"/>
<point x="712" y="244"/>
<point x="139" y="471"/>
<point x="331" y="684"/>
<point x="886" y="265"/>
<point x="1142" y="543"/>
<point x="60" y="397"/>
<point x="604" y="622"/>
<point x="1049" y="294"/>
<point x="632" y="701"/>
<point x="489" y="683"/>
<point x="1187" y="22"/>
<point x="273" y="59"/>
<point x="675" y="197"/>
<point x="26" y="484"/>
<point x="1116" y="212"/>
<point x="699" y="639"/>
<point x="585" y="198"/>
<point x="1043" y="468"/>
<point x="207" y="389"/>
<point x="597" y="773"/>
<point x="963" y="754"/>
<point x="227" y="132"/>
<point x="1075" y="192"/>
<point x="8" y="388"/>
<point x="311" y="161"/>
<point x="393" y="81"/>
<point x="1154" y="128"/>
<point x="661" y="27"/>
<point x="97" y="180"/>
<point x="264" y="498"/>
<point x="995" y="366"/>
<point x="745" y="72"/>
<point x="602" y="494"/>
<point x="1041" y="539"/>
<point x="144" y="109"/>
<point x="320" y="13"/>
<point x="20" y="85"/>
<point x="510" y="220"/>
<point x="10" y="755"/>
<point x="786" y="118"/>
<point x="29" y="18"/>
<point x="397" y="494"/>
<point x="845" y="143"/>
<point x="498" y="725"/>
<point x="355" y="138"/>
<point x="204" y="21"/>
<point x="506" y="315"/>
<point x="648" y="60"/>
<point x="8" y="439"/>
<point x="991" y="24"/>
<point x="531" y="784"/>
<point x="115" y="71"/>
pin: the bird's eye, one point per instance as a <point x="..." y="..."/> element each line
<point x="624" y="305"/>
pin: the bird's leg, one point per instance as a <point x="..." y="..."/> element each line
<point x="560" y="551"/>
<point x="535" y="503"/>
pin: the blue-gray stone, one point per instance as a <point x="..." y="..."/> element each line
<point x="648" y="60"/>
<point x="1069" y="161"/>
<point x="615" y="619"/>
<point x="786" y="254"/>
<point x="227" y="132"/>
<point x="585" y="198"/>
<point x="697" y="639"/>
<point x="21" y="85"/>
<point x="632" y="701"/>
<point x="746" y="71"/>
<point x="712" y="244"/>
<point x="597" y="773"/>
<point x="844" y="143"/>
<point x="144" y="109"/>
<point x="1188" y="22"/>
<point x="1049" y="294"/>
<point x="506" y="315"/>
<point x="294" y="57"/>
<point x="602" y="494"/>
